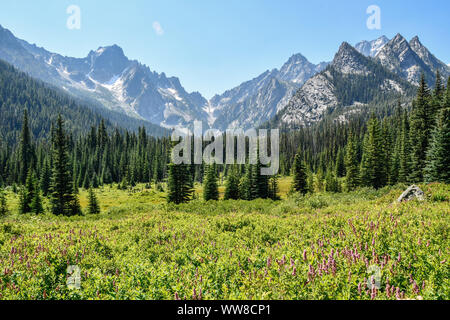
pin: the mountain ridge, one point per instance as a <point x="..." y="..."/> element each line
<point x="122" y="85"/>
<point x="351" y="82"/>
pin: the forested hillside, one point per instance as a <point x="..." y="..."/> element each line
<point x="19" y="92"/>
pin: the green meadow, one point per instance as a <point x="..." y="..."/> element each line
<point x="359" y="245"/>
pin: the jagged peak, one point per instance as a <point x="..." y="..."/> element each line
<point x="113" y="49"/>
<point x="345" y="46"/>
<point x="297" y="57"/>
<point x="345" y="50"/>
<point x="416" y="39"/>
<point x="398" y="38"/>
<point x="349" y="61"/>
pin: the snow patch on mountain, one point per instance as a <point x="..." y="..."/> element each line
<point x="371" y="48"/>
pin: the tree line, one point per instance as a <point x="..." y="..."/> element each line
<point x="406" y="145"/>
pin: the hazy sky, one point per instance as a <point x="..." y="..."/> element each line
<point x="214" y="45"/>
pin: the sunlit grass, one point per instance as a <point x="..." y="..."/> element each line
<point x="139" y="247"/>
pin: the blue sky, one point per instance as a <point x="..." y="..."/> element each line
<point x="214" y="45"/>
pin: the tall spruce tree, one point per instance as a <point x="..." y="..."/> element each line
<point x="247" y="187"/>
<point x="261" y="182"/>
<point x="447" y="96"/>
<point x="403" y="173"/>
<point x="331" y="182"/>
<point x="340" y="163"/>
<point x="45" y="180"/>
<point x="351" y="164"/>
<point x="26" y="153"/>
<point x="420" y="130"/>
<point x="232" y="186"/>
<point x="273" y="188"/>
<point x="437" y="98"/>
<point x="27" y="194"/>
<point x="438" y="156"/>
<point x="373" y="170"/>
<point x="300" y="183"/>
<point x="36" y="201"/>
<point x="211" y="189"/>
<point x="63" y="201"/>
<point x="93" y="205"/>
<point x="180" y="185"/>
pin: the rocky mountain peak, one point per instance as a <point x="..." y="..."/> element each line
<point x="107" y="62"/>
<point x="349" y="61"/>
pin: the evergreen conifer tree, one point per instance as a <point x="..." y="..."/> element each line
<point x="232" y="186"/>
<point x="373" y="170"/>
<point x="27" y="194"/>
<point x="420" y="130"/>
<point x="25" y="149"/>
<point x="273" y="188"/>
<point x="63" y="200"/>
<point x="180" y="187"/>
<point x="300" y="183"/>
<point x="36" y="202"/>
<point x="93" y="206"/>
<point x="403" y="172"/>
<point x="351" y="164"/>
<point x="45" y="179"/>
<point x="340" y="163"/>
<point x="247" y="189"/>
<point x="211" y="189"/>
<point x="438" y="156"/>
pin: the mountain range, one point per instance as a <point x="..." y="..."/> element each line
<point x="351" y="82"/>
<point x="299" y="93"/>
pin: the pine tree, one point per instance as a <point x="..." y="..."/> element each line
<point x="340" y="163"/>
<point x="320" y="180"/>
<point x="438" y="156"/>
<point x="373" y="170"/>
<point x="36" y="202"/>
<point x="247" y="187"/>
<point x="180" y="188"/>
<point x="273" y="188"/>
<point x="351" y="164"/>
<point x="63" y="201"/>
<point x="438" y="96"/>
<point x="331" y="182"/>
<point x="420" y="131"/>
<point x="93" y="206"/>
<point x="3" y="204"/>
<point x="232" y="186"/>
<point x="261" y="181"/>
<point x="404" y="170"/>
<point x="211" y="189"/>
<point x="45" y="179"/>
<point x="395" y="164"/>
<point x="388" y="149"/>
<point x="25" y="149"/>
<point x="447" y="96"/>
<point x="300" y="183"/>
<point x="27" y="194"/>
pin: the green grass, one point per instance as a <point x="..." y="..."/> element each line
<point x="141" y="248"/>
